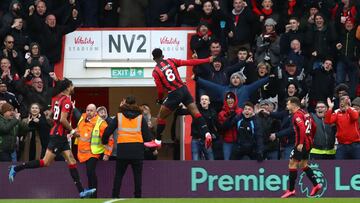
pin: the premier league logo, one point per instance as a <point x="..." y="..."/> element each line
<point x="306" y="188"/>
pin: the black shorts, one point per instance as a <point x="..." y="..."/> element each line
<point x="174" y="98"/>
<point x="58" y="144"/>
<point x="298" y="156"/>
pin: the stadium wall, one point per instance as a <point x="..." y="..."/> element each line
<point x="189" y="179"/>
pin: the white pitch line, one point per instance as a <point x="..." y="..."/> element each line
<point x="114" y="200"/>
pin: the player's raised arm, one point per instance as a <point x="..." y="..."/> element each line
<point x="192" y="62"/>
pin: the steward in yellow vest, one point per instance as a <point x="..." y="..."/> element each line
<point x="91" y="128"/>
<point x="132" y="133"/>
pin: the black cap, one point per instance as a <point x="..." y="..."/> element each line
<point x="290" y="62"/>
<point x="230" y="95"/>
<point x="157" y="53"/>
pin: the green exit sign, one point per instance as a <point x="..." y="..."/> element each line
<point x="127" y="72"/>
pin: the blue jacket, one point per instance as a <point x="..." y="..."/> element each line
<point x="217" y="92"/>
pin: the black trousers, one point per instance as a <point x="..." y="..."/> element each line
<point x="91" y="174"/>
<point x="121" y="166"/>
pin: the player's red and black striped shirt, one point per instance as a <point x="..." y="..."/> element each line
<point x="60" y="103"/>
<point x="167" y="76"/>
<point x="304" y="127"/>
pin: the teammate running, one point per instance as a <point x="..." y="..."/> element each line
<point x="167" y="77"/>
<point x="62" y="109"/>
<point x="305" y="128"/>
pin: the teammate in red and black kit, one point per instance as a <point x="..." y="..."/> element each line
<point x="305" y="128"/>
<point x="62" y="109"/>
<point x="167" y="77"/>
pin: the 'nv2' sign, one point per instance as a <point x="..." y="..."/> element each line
<point x="126" y="45"/>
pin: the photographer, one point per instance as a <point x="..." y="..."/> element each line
<point x="268" y="44"/>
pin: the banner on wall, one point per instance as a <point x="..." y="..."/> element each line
<point x="125" y="44"/>
<point x="198" y="179"/>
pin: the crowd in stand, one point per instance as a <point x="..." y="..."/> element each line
<point x="266" y="51"/>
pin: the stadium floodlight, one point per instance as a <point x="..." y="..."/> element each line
<point x="119" y="64"/>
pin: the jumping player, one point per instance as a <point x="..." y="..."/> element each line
<point x="305" y="128"/>
<point x="167" y="77"/>
<point x="62" y="109"/>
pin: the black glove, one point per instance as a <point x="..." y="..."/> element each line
<point x="160" y="101"/>
<point x="259" y="157"/>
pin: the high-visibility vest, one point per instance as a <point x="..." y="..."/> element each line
<point x="96" y="145"/>
<point x="129" y="130"/>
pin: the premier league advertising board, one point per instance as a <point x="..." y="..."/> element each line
<point x="191" y="179"/>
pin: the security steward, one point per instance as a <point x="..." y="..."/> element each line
<point x="91" y="128"/>
<point x="132" y="132"/>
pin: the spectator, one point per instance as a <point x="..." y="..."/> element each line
<point x="291" y="90"/>
<point x="161" y="13"/>
<point x="198" y="149"/>
<point x="348" y="56"/>
<point x="249" y="68"/>
<point x="89" y="10"/>
<point x="241" y="20"/>
<point x="130" y="149"/>
<point x="265" y="10"/>
<point x="13" y="55"/>
<point x="268" y="45"/>
<point x="10" y="126"/>
<point x="131" y="8"/>
<point x="320" y="40"/>
<point x="268" y="126"/>
<point x="286" y="134"/>
<point x="250" y="143"/>
<point x="297" y="55"/>
<point x="8" y="76"/>
<point x="150" y="153"/>
<point x="292" y="32"/>
<point x="36" y="58"/>
<point x="267" y="90"/>
<point x="8" y="96"/>
<point x="109" y="13"/>
<point x="308" y="19"/>
<point x="237" y="80"/>
<point x="189" y="13"/>
<point x="340" y="90"/>
<point x="227" y="128"/>
<point x="346" y="120"/>
<point x="15" y="10"/>
<point x="21" y="37"/>
<point x="200" y="42"/>
<point x="324" y="140"/>
<point x="36" y="140"/>
<point x="52" y="33"/>
<point x="323" y="84"/>
<point x="36" y="93"/>
<point x="345" y="10"/>
<point x="102" y="111"/>
<point x="290" y="75"/>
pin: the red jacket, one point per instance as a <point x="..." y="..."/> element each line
<point x="346" y="125"/>
<point x="229" y="135"/>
